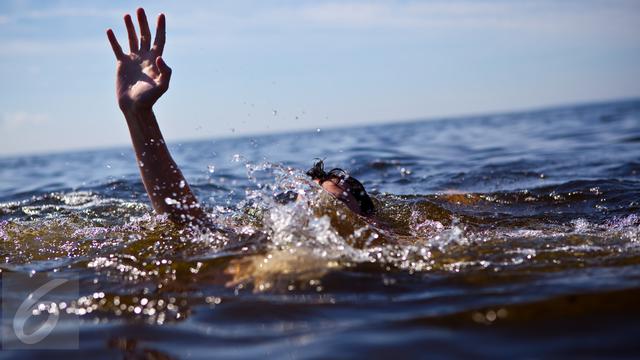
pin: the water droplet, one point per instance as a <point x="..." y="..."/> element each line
<point x="211" y="169"/>
<point x="491" y="315"/>
<point x="318" y="130"/>
<point x="170" y="201"/>
<point x="275" y="112"/>
<point x="502" y="313"/>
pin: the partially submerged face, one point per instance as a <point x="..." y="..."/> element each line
<point x="344" y="188"/>
<point x="333" y="187"/>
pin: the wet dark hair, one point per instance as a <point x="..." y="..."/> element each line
<point x="349" y="184"/>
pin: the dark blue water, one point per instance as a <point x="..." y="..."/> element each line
<point x="511" y="235"/>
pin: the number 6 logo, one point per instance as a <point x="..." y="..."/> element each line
<point x="25" y="310"/>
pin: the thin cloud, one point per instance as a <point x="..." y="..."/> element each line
<point x="433" y="14"/>
<point x="22" y="119"/>
<point x="597" y="20"/>
<point x="615" y="21"/>
<point x="14" y="48"/>
<point x="72" y="12"/>
<point x="59" y="13"/>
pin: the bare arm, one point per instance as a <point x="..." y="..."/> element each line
<point x="142" y="77"/>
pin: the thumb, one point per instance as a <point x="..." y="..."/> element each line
<point x="162" y="66"/>
<point x="165" y="70"/>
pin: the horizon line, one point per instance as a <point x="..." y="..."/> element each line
<point x="516" y="111"/>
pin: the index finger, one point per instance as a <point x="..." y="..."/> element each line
<point x="117" y="50"/>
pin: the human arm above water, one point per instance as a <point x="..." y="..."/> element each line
<point x="142" y="77"/>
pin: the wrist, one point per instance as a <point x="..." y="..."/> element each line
<point x="140" y="120"/>
<point x="133" y="108"/>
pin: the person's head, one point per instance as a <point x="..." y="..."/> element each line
<point x="343" y="187"/>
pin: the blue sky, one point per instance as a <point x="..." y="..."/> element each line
<point x="316" y="63"/>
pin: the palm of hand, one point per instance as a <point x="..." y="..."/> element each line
<point x="138" y="80"/>
<point x="142" y="75"/>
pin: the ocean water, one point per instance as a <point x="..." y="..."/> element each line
<point x="510" y="235"/>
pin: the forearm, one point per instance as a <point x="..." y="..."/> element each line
<point x="167" y="188"/>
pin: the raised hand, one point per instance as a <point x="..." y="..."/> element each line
<point x="142" y="76"/>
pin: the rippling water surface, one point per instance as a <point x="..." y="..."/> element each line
<point x="496" y="236"/>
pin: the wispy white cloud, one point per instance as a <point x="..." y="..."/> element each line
<point x="19" y="119"/>
<point x="393" y="14"/>
<point x="18" y="47"/>
<point x="615" y="19"/>
<point x="539" y="15"/>
<point x="60" y="12"/>
<point x="482" y="14"/>
<point x="57" y="13"/>
<point x="72" y="12"/>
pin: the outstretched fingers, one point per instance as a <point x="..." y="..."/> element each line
<point x="158" y="44"/>
<point x="145" y="33"/>
<point x="131" y="32"/>
<point x="117" y="50"/>
<point x="145" y="36"/>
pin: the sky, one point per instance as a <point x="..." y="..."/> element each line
<point x="253" y="67"/>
